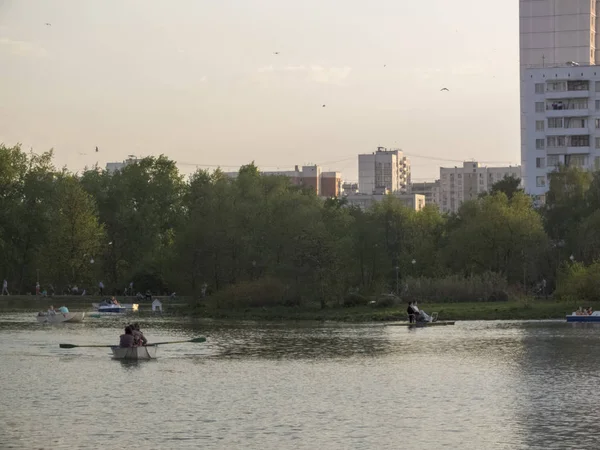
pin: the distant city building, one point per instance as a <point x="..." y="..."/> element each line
<point x="112" y="167"/>
<point x="325" y="184"/>
<point x="430" y="189"/>
<point x="388" y="169"/>
<point x="349" y="188"/>
<point x="365" y="201"/>
<point x="460" y="184"/>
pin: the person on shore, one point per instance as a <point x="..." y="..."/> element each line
<point x="37" y="288"/>
<point x="138" y="337"/>
<point x="101" y="287"/>
<point x="126" y="340"/>
<point x="5" y="288"/>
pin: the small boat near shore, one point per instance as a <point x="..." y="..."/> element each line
<point x="107" y="306"/>
<point x="59" y="317"/>
<point x="440" y="323"/>
<point x="134" y="353"/>
<point x="584" y="318"/>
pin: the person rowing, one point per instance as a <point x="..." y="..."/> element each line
<point x="126" y="340"/>
<point x="138" y="337"/>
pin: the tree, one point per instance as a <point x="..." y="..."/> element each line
<point x="75" y="238"/>
<point x="498" y="235"/>
<point x="509" y="185"/>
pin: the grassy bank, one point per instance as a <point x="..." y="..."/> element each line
<point x="511" y="310"/>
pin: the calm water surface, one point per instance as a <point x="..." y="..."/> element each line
<point x="477" y="385"/>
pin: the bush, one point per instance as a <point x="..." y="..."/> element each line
<point x="579" y="282"/>
<point x="265" y="292"/>
<point x="355" y="299"/>
<point x="489" y="286"/>
<point x="387" y="301"/>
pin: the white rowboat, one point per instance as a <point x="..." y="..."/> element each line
<point x="58" y="317"/>
<point x="134" y="353"/>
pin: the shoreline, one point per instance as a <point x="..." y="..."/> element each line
<point x="527" y="309"/>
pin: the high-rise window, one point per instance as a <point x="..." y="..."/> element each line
<point x="540" y="163"/>
<point x="539" y="125"/>
<point x="552" y="160"/>
<point x="539" y="107"/>
<point x="555" y="122"/>
<point x="540" y="181"/>
<point x="539" y="144"/>
<point x="539" y="88"/>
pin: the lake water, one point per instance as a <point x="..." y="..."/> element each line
<point x="477" y="385"/>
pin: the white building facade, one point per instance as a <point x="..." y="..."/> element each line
<point x="383" y="169"/>
<point x="562" y="123"/>
<point x="460" y="184"/>
<point x="430" y="189"/>
<point x="554" y="34"/>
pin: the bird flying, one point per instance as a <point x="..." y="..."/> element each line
<point x="276" y="53"/>
<point x="445" y="89"/>
<point x="48" y="24"/>
<point x="96" y="149"/>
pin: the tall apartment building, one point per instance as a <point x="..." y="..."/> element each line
<point x="563" y="123"/>
<point x="431" y="190"/>
<point x="383" y="169"/>
<point x="553" y="34"/>
<point x="460" y="184"/>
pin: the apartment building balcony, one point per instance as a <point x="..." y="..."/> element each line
<point x="562" y="95"/>
<point x="571" y="110"/>
<point x="567" y="131"/>
<point x="567" y="150"/>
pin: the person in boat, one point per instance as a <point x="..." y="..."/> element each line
<point x="114" y="301"/>
<point x="51" y="310"/>
<point x="421" y="315"/>
<point x="126" y="340"/>
<point x="63" y="309"/>
<point x="138" y="337"/>
<point x="589" y="311"/>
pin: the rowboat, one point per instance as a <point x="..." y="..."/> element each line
<point x="594" y="317"/>
<point x="58" y="317"/>
<point x="134" y="353"/>
<point x="440" y="323"/>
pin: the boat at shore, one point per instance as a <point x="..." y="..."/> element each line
<point x="440" y="323"/>
<point x="59" y="317"/>
<point x="134" y="353"/>
<point x="586" y="318"/>
<point x="107" y="306"/>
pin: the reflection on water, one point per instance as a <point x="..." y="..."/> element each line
<point x="476" y="385"/>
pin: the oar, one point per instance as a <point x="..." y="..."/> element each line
<point x="198" y="339"/>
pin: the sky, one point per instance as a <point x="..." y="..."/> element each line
<point x="199" y="81"/>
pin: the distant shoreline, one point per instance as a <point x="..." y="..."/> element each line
<point x="510" y="310"/>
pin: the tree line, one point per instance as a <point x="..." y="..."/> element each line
<point x="149" y="225"/>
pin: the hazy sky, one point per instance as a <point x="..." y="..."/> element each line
<point x="198" y="81"/>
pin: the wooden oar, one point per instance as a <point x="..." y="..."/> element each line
<point x="198" y="339"/>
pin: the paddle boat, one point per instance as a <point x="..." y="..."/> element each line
<point x="108" y="306"/>
<point x="134" y="353"/>
<point x="59" y="317"/>
<point x="577" y="316"/>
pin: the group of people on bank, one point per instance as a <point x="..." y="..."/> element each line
<point x="133" y="337"/>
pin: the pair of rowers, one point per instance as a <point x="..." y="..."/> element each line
<point x="133" y="337"/>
